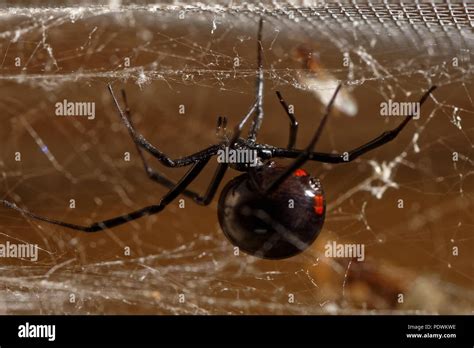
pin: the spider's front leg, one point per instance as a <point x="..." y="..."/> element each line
<point x="153" y="174"/>
<point x="258" y="118"/>
<point x="199" y="156"/>
<point x="162" y="157"/>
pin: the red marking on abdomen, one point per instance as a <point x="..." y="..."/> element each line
<point x="319" y="204"/>
<point x="300" y="172"/>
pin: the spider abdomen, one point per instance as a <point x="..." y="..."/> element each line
<point x="274" y="226"/>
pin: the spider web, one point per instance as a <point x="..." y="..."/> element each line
<point x="183" y="65"/>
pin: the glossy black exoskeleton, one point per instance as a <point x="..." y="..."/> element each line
<point x="277" y="225"/>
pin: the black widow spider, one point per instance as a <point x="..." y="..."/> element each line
<point x="270" y="211"/>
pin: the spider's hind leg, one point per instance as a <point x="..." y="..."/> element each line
<point x="122" y="219"/>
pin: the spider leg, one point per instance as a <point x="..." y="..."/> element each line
<point x="163" y="158"/>
<point x="258" y="118"/>
<point x="175" y="191"/>
<point x="305" y="154"/>
<point x="122" y="219"/>
<point x="351" y="155"/>
<point x="222" y="167"/>
<point x="152" y="174"/>
<point x="293" y="122"/>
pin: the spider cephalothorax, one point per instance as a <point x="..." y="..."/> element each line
<point x="269" y="211"/>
